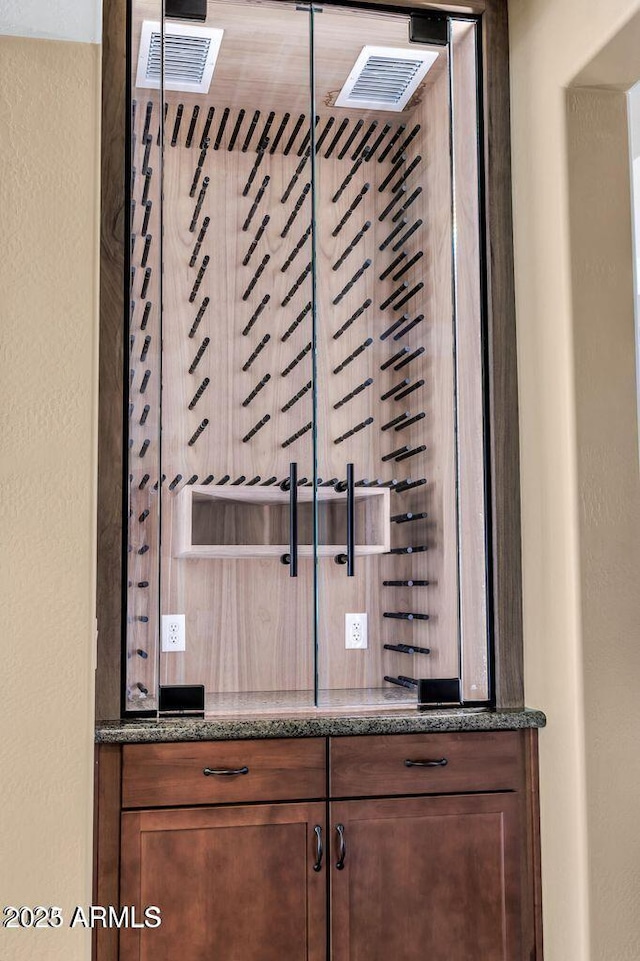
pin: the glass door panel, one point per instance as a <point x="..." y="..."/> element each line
<point x="386" y="361"/>
<point x="143" y="338"/>
<point x="237" y="405"/>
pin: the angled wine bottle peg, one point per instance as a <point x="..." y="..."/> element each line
<point x="407" y="360"/>
<point x="251" y="131"/>
<point x="296" y="360"/>
<point x="401" y="353"/>
<point x="303" y="313"/>
<point x="411" y="421"/>
<point x="414" y="196"/>
<point x="256" y="390"/>
<point x="354" y="316"/>
<point x="254" y="170"/>
<point x="201" y="349"/>
<point x="199" y="278"/>
<point x="407" y="173"/>
<point x="409" y="264"/>
<point x="199" y="316"/>
<point x="396" y="420"/>
<point x="296" y="209"/>
<point x="256" y="353"/>
<point x="354" y="430"/>
<point x="396" y="293"/>
<point x="254" y="430"/>
<point x="222" y="125"/>
<point x="145" y="315"/>
<point x="297" y="435"/>
<point x="392" y="142"/>
<point x="256" y="277"/>
<point x="198" y="207"/>
<point x="352" y="356"/>
<point x="350" y="139"/>
<point x="409" y="390"/>
<point x="279" y="133"/>
<point x="353" y="393"/>
<point x="176" y="124"/>
<point x="192" y="126"/>
<point x="201" y="427"/>
<point x="390" y="330"/>
<point x="296" y="250"/>
<point x="354" y="243"/>
<point x="236" y="131"/>
<point x="256" y="240"/>
<point x="323" y="136"/>
<point x="198" y="394"/>
<point x="405" y="330"/>
<point x="332" y="146"/>
<point x="394" y="390"/>
<point x="198" y="245"/>
<point x="294" y="179"/>
<point x="145" y="251"/>
<point x="407" y="517"/>
<point x="254" y="316"/>
<point x="405" y="648"/>
<point x="356" y="277"/>
<point x="402" y="241"/>
<point x="350" y="210"/>
<point x="297" y="397"/>
<point x="298" y="283"/>
<point x="256" y="202"/>
<point x="411" y="453"/>
<point x="207" y="127"/>
<point x="292" y="138"/>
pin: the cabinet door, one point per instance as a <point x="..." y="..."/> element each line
<point x="427" y="879"/>
<point x="233" y="884"/>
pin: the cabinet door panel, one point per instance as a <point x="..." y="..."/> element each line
<point x="428" y="878"/>
<point x="233" y="884"/>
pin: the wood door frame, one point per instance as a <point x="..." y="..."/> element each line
<point x="502" y="386"/>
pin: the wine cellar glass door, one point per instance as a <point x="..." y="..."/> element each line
<point x="388" y="535"/>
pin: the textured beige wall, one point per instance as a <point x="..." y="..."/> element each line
<point x="579" y="466"/>
<point x="49" y="110"/>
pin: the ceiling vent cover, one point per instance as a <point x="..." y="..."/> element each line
<point x="385" y="78"/>
<point x="190" y="54"/>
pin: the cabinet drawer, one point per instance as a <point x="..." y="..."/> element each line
<point x="156" y="775"/>
<point x="440" y="763"/>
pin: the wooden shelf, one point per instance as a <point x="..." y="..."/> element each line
<point x="244" y="522"/>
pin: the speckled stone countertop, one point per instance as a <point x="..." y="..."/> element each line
<point x="317" y="725"/>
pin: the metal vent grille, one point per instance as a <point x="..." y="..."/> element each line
<point x="385" y="78"/>
<point x="190" y="55"/>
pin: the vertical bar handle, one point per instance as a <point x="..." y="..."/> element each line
<point x="293" y="519"/>
<point x="342" y="847"/>
<point x="351" y="522"/>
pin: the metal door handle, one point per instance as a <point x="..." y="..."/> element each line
<point x="292" y="557"/>
<point x="319" y="850"/>
<point x="441" y="762"/>
<point x="342" y="847"/>
<point x="225" y="771"/>
<point x="351" y="523"/>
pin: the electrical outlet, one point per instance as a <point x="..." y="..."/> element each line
<point x="355" y="631"/>
<point x="173" y="633"/>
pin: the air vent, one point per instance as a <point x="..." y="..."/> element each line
<point x="190" y="54"/>
<point x="385" y="78"/>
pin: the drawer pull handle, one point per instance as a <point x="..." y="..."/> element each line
<point x="319" y="850"/>
<point x="342" y="847"/>
<point x="225" y="771"/>
<point x="442" y="762"/>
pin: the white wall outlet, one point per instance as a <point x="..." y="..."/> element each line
<point x="355" y="631"/>
<point x="173" y="633"/>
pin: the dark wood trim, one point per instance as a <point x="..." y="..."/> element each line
<point x="533" y="838"/>
<point x="107" y="803"/>
<point x="504" y="451"/>
<point x="112" y="254"/>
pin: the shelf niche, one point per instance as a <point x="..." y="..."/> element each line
<point x="242" y="522"/>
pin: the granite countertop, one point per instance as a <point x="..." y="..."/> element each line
<point x="316" y="725"/>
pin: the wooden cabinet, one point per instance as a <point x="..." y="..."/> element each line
<point x="399" y="863"/>
<point x="429" y="877"/>
<point x="233" y="883"/>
